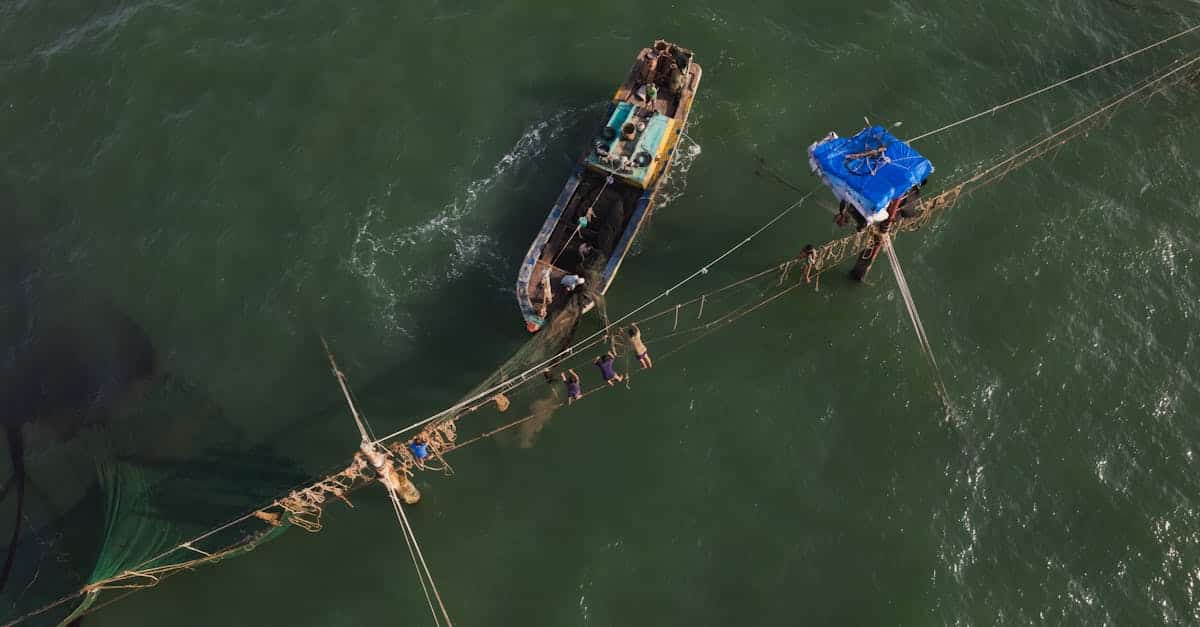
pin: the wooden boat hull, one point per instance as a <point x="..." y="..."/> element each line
<point x="544" y="262"/>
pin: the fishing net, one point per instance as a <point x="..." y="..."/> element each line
<point x="107" y="489"/>
<point x="102" y="474"/>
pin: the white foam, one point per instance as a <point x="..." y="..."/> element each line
<point x="677" y="179"/>
<point x="396" y="265"/>
<point x="676" y="182"/>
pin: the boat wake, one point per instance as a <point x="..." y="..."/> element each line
<point x="398" y="265"/>
<point x="677" y="180"/>
<point x="686" y="155"/>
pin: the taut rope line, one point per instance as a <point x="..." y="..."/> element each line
<point x="371" y="449"/>
<point x="1055" y="85"/>
<point x="567" y="351"/>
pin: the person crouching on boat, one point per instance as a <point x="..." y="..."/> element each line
<point x="574" y="388"/>
<point x="639" y="347"/>
<point x="547" y="292"/>
<point x="543" y="310"/>
<point x="605" y="364"/>
<point x="572" y="281"/>
<point x="419" y="449"/>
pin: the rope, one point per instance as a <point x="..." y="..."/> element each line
<point x="1055" y="85"/>
<point x="1048" y="143"/>
<point x="341" y="378"/>
<point x="711" y="327"/>
<point x="567" y="353"/>
<point x="537" y="368"/>
<point x="384" y="468"/>
<point x="915" y="318"/>
<point x="414" y="550"/>
<point x="567" y="244"/>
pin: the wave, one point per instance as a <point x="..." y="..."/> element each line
<point x="674" y="187"/>
<point x="399" y="264"/>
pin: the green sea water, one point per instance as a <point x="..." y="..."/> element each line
<point x="235" y="180"/>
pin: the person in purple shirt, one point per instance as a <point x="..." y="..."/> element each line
<point x="574" y="389"/>
<point x="605" y="363"/>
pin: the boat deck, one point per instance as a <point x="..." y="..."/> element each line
<point x="614" y="186"/>
<point x="583" y="251"/>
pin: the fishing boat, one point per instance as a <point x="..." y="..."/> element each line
<point x="580" y="247"/>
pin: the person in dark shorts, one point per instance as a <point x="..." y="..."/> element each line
<point x="605" y="363"/>
<point x="639" y="347"/>
<point x="574" y="388"/>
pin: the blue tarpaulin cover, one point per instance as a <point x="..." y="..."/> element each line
<point x="863" y="175"/>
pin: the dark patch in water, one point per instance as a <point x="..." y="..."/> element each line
<point x="16" y="452"/>
<point x="62" y="373"/>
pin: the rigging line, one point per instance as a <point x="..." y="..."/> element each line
<point x="420" y="556"/>
<point x="915" y="318"/>
<point x="1055" y="85"/>
<point x="712" y="293"/>
<point x="579" y="348"/>
<point x="410" y="537"/>
<point x="709" y="329"/>
<point x="702" y="271"/>
<point x="412" y="554"/>
<point x="341" y="378"/>
<point x="1014" y="161"/>
<point x="552" y="363"/>
<point x="766" y="168"/>
<point x="567" y="244"/>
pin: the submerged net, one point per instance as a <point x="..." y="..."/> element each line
<point x="108" y="490"/>
<point x="101" y="473"/>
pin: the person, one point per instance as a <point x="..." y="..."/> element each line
<point x="419" y="449"/>
<point x="810" y="254"/>
<point x="841" y="219"/>
<point x="677" y="78"/>
<point x="605" y="364"/>
<point x="586" y="218"/>
<point x="651" y="93"/>
<point x="574" y="389"/>
<point x="585" y="249"/>
<point x="572" y="281"/>
<point x="639" y="347"/>
<point x="547" y="291"/>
